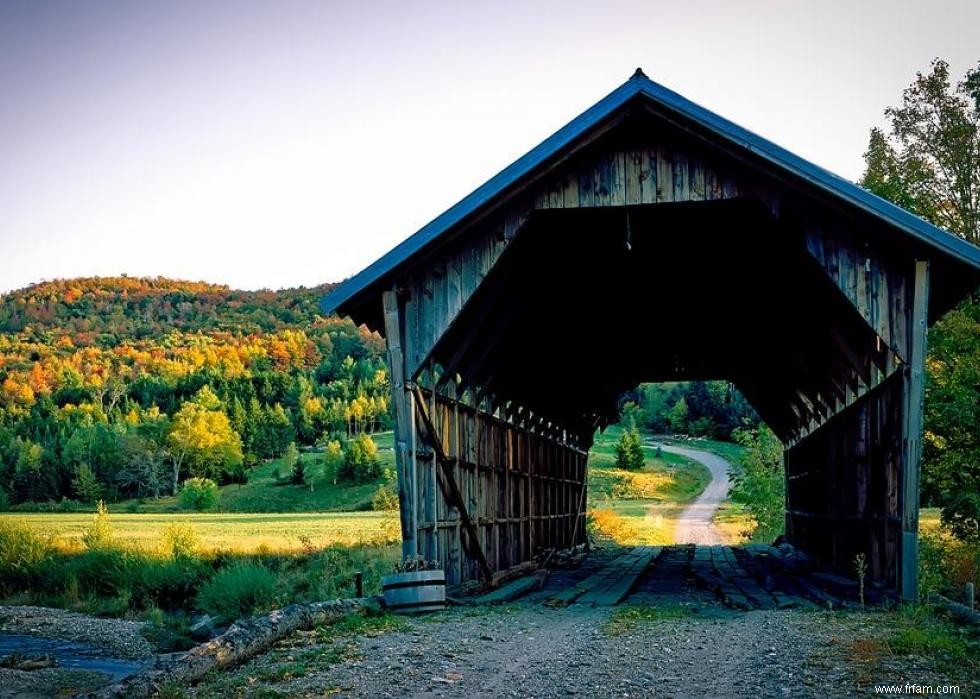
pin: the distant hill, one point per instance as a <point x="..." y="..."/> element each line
<point x="104" y="310"/>
<point x="118" y="387"/>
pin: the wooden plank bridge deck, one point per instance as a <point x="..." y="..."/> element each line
<point x="614" y="583"/>
<point x="741" y="577"/>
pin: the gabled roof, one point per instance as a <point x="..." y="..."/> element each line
<point x="639" y="86"/>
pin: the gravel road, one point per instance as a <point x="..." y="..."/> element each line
<point x="526" y="650"/>
<point x="556" y="653"/>
<point x="695" y="525"/>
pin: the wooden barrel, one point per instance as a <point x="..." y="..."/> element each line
<point x="415" y="592"/>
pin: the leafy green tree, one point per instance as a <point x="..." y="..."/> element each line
<point x="96" y="445"/>
<point x="709" y="408"/>
<point x="241" y="424"/>
<point x="34" y="477"/>
<point x="951" y="453"/>
<point x="290" y="457"/>
<point x="760" y="483"/>
<point x="277" y="431"/>
<point x="86" y="485"/>
<point x="298" y="474"/>
<point x="629" y="450"/>
<point x="630" y="414"/>
<point x="677" y="415"/>
<point x="144" y="467"/>
<point x="294" y="466"/>
<point x="929" y="163"/>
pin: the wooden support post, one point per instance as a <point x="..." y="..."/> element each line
<point x="787" y="517"/>
<point x="912" y="397"/>
<point x="404" y="424"/>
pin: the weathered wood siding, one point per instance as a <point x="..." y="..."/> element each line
<point x="878" y="287"/>
<point x="853" y="481"/>
<point x="524" y="491"/>
<point x="844" y="484"/>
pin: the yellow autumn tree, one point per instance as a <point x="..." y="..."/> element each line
<point x="202" y="440"/>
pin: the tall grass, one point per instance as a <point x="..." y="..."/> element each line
<point x="237" y="590"/>
<point x="113" y="577"/>
<point x="22" y="550"/>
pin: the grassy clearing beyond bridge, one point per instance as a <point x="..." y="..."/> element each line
<point x="227" y="531"/>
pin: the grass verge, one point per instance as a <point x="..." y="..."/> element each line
<point x="640" y="507"/>
<point x="628" y="617"/>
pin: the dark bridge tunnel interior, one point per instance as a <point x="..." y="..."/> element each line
<point x="586" y="303"/>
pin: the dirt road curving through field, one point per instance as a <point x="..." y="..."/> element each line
<point x="695" y="525"/>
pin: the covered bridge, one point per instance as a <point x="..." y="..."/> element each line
<point x="652" y="240"/>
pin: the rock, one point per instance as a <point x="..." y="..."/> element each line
<point x="32" y="664"/>
<point x="203" y="628"/>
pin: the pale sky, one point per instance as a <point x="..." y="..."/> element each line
<point x="277" y="144"/>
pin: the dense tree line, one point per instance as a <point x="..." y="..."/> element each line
<point x="713" y="409"/>
<point x="123" y="387"/>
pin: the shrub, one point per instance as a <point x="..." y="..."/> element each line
<point x="22" y="550"/>
<point x="63" y="505"/>
<point x="103" y="571"/>
<point x="169" y="584"/>
<point x="99" y="534"/>
<point x="361" y="462"/>
<point x="168" y="632"/>
<point x="198" y="494"/>
<point x="180" y="541"/>
<point x="68" y="505"/>
<point x="607" y="524"/>
<point x="946" y="564"/>
<point x="4" y="500"/>
<point x="629" y="451"/>
<point x="329" y="573"/>
<point x="385" y="499"/>
<point x="961" y="515"/>
<point x="237" y="591"/>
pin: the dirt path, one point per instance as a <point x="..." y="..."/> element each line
<point x="695" y="525"/>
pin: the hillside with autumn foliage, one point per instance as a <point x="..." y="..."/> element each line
<point x="125" y="387"/>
